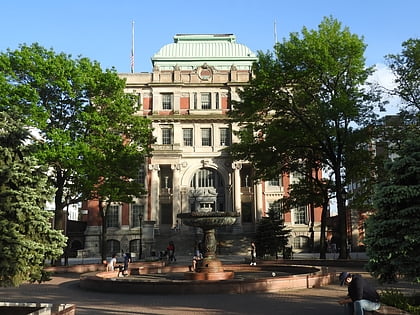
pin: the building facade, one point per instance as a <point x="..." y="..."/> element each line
<point x="187" y="97"/>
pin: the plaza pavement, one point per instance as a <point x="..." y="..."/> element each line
<point x="64" y="288"/>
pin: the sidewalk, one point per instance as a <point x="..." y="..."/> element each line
<point x="64" y="288"/>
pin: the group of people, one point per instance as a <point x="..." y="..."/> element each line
<point x="361" y="297"/>
<point x="122" y="269"/>
<point x="169" y="253"/>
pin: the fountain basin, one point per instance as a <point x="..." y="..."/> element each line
<point x="247" y="279"/>
<point x="208" y="220"/>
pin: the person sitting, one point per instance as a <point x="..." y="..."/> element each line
<point x="361" y="295"/>
<point x="111" y="266"/>
<point x="196" y="259"/>
<point x="163" y="255"/>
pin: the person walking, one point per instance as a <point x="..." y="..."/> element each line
<point x="171" y="251"/>
<point x="253" y="254"/>
<point x="362" y="296"/>
<point x="127" y="260"/>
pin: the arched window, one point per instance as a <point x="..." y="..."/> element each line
<point x="301" y="242"/>
<point x="205" y="178"/>
<point x="112" y="246"/>
<point x="207" y="191"/>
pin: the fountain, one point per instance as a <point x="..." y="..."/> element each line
<point x="155" y="277"/>
<point x="211" y="267"/>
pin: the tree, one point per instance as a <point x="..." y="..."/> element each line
<point x="116" y="155"/>
<point x="393" y="231"/>
<point x="271" y="236"/>
<point x="406" y="68"/>
<point x="26" y="236"/>
<point x="312" y="190"/>
<point x="308" y="101"/>
<point x="72" y="102"/>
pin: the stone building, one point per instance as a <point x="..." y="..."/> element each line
<point x="187" y="97"/>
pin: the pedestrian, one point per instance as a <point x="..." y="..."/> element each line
<point x="171" y="251"/>
<point x="362" y="296"/>
<point x="253" y="254"/>
<point x="196" y="260"/>
<point x="127" y="260"/>
<point x="112" y="263"/>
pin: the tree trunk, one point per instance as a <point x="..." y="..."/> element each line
<point x="322" y="237"/>
<point x="342" y="217"/>
<point x="103" y="236"/>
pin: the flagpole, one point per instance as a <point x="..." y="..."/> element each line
<point x="132" y="47"/>
<point x="275" y="32"/>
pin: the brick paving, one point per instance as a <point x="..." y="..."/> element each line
<point x="64" y="288"/>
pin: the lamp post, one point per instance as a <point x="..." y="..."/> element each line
<point x="140" y="234"/>
<point x="66" y="215"/>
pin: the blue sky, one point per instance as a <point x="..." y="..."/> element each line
<point x="101" y="30"/>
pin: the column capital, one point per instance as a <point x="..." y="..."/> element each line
<point x="154" y="167"/>
<point x="176" y="167"/>
<point x="236" y="166"/>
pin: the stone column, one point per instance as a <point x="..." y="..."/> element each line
<point x="237" y="206"/>
<point x="258" y="202"/>
<point x="176" y="193"/>
<point x="148" y="239"/>
<point x="236" y="187"/>
<point x="154" y="193"/>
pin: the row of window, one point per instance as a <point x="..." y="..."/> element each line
<point x="300" y="214"/>
<point x="113" y="220"/>
<point x="199" y="101"/>
<point x="188" y="136"/>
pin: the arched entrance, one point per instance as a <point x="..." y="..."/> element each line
<point x="207" y="191"/>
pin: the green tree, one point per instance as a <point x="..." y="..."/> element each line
<point x="406" y="68"/>
<point x="307" y="102"/>
<point x="118" y="149"/>
<point x="313" y="190"/>
<point x="272" y="235"/>
<point x="72" y="102"/>
<point x="26" y="236"/>
<point x="393" y="231"/>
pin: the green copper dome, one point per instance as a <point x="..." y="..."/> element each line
<point x="189" y="51"/>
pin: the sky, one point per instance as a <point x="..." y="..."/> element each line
<point x="102" y="30"/>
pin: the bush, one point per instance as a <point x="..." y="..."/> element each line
<point x="396" y="298"/>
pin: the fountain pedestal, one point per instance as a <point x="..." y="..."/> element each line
<point x="210" y="268"/>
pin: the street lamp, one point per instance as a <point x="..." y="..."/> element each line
<point x="66" y="215"/>
<point x="141" y="233"/>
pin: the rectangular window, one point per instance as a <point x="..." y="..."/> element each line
<point x="205" y="100"/>
<point x="112" y="216"/>
<point x="141" y="174"/>
<point x="276" y="208"/>
<point x="166" y="135"/>
<point x="274" y="182"/>
<point x="195" y="100"/>
<point x="136" y="210"/>
<point x="224" y="137"/>
<point x="300" y="215"/>
<point x="187" y="134"/>
<point x="166" y="101"/>
<point x="205" y="137"/>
